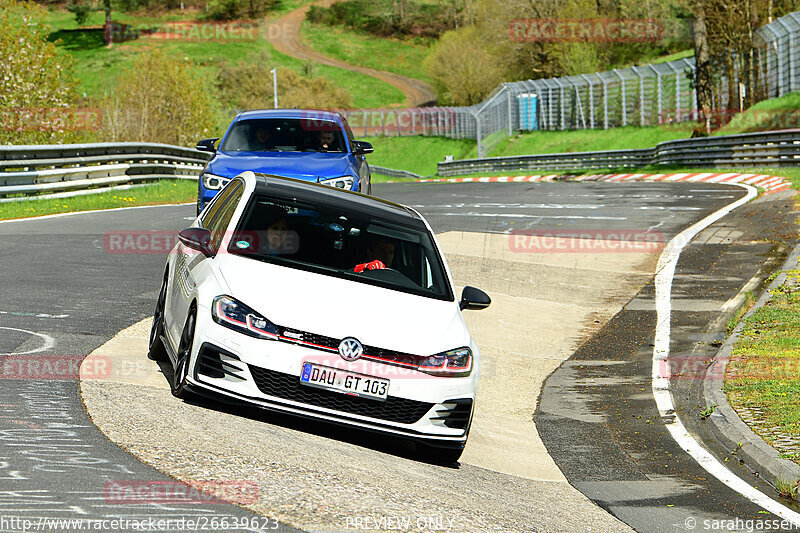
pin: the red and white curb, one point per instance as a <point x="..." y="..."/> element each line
<point x="770" y="184"/>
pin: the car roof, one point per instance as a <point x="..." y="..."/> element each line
<point x="310" y="114"/>
<point x="293" y="189"/>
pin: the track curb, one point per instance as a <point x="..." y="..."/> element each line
<point x="725" y="423"/>
<point x="770" y="184"/>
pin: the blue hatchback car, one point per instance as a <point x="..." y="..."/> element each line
<point x="296" y="143"/>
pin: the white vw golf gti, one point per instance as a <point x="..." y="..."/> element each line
<point x="323" y="303"/>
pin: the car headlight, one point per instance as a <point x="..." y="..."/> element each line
<point x="214" y="182"/>
<point x="343" y="182"/>
<point x="453" y="363"/>
<point x="232" y="313"/>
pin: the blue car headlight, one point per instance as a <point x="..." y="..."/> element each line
<point x="213" y="182"/>
<point x="231" y="313"/>
<point x="342" y="182"/>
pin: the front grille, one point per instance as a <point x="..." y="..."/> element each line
<point x="288" y="387"/>
<point x="333" y="344"/>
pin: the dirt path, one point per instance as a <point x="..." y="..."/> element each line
<point x="284" y="34"/>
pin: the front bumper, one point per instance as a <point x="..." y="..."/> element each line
<point x="267" y="374"/>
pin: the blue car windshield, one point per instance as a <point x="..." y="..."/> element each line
<point x="284" y="135"/>
<point x="344" y="244"/>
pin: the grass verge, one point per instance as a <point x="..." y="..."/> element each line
<point x="96" y="65"/>
<point x="402" y="57"/>
<point x="161" y="192"/>
<point x="763" y="377"/>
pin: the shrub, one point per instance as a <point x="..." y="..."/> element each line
<point x="248" y="85"/>
<point x="161" y="99"/>
<point x="81" y="11"/>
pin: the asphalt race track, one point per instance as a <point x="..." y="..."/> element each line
<point x="64" y="295"/>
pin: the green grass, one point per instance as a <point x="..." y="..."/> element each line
<point x="553" y="142"/>
<point x="97" y="66"/>
<point x="773" y="114"/>
<point x="674" y="57"/>
<point x="162" y="192"/>
<point x="764" y="371"/>
<point x="418" y="154"/>
<point x="402" y="57"/>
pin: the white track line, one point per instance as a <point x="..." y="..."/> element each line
<point x="47" y="341"/>
<point x="663" y="282"/>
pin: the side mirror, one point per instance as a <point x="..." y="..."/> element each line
<point x="207" y="145"/>
<point x="197" y="239"/>
<point x="472" y="298"/>
<point x="362" y="147"/>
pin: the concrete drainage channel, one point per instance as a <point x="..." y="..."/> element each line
<point x="308" y="475"/>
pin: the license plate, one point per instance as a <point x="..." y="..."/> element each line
<point x="339" y="380"/>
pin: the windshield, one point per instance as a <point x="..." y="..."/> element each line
<point x="343" y="244"/>
<point x="284" y="135"/>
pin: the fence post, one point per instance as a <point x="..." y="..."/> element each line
<point x="790" y="53"/>
<point x="694" y="91"/>
<point x="658" y="83"/>
<point x="591" y="100"/>
<point x="510" y="115"/>
<point x="478" y="135"/>
<point x="397" y="123"/>
<point x="641" y="95"/>
<point x="413" y="122"/>
<point x="364" y="111"/>
<point x="624" y="99"/>
<point x="605" y="103"/>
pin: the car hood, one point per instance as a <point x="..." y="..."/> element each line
<point x="340" y="308"/>
<point x="300" y="165"/>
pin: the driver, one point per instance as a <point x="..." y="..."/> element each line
<point x="380" y="254"/>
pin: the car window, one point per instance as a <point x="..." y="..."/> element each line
<point x="226" y="208"/>
<point x="345" y="244"/>
<point x="284" y="135"/>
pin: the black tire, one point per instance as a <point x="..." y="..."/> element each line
<point x="178" y="384"/>
<point x="369" y="187"/>
<point x="199" y="206"/>
<point x="156" y="350"/>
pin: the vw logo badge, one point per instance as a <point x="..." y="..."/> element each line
<point x="350" y="349"/>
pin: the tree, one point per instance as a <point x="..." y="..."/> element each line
<point x="36" y="82"/>
<point x="461" y="69"/>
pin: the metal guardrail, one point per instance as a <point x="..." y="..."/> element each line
<point x="773" y="148"/>
<point x="392" y="173"/>
<point x="63" y="167"/>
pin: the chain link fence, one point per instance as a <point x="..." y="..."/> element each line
<point x="654" y="94"/>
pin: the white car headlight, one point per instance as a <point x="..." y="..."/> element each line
<point x="453" y="363"/>
<point x="214" y="182"/>
<point x="232" y="313"/>
<point x="343" y="182"/>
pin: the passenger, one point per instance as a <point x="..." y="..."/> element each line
<point x="262" y="139"/>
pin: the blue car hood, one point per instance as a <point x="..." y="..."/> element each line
<point x="300" y="165"/>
